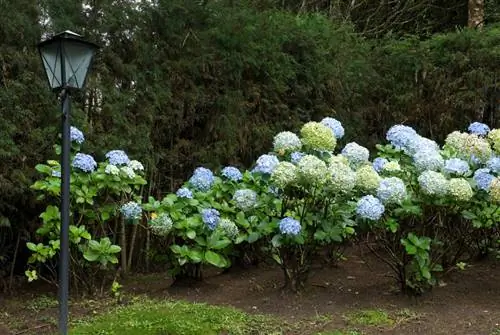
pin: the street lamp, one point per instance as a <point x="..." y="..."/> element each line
<point x="66" y="58"/>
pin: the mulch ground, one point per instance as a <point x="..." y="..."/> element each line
<point x="466" y="302"/>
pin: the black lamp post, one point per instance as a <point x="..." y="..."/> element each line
<point x="66" y="59"/>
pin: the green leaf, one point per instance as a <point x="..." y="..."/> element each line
<point x="114" y="249"/>
<point x="195" y="255"/>
<point x="214" y="258"/>
<point x="31" y="246"/>
<point x="191" y="234"/>
<point x="252" y="237"/>
<point x="220" y="244"/>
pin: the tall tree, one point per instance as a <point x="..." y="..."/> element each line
<point x="476" y="14"/>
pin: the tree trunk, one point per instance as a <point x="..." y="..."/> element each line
<point x="476" y="14"/>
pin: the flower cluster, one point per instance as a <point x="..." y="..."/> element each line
<point x="456" y="166"/>
<point x="483" y="179"/>
<point x="286" y="141"/>
<point x="112" y="170"/>
<point x="335" y="126"/>
<point x="229" y="228"/>
<point x="296" y="156"/>
<point x="418" y="143"/>
<point x="289" y="226"/>
<point x="478" y="128"/>
<point x="210" y="217"/>
<point x="391" y="166"/>
<point x="128" y="172"/>
<point x="494" y="164"/>
<point x="367" y="179"/>
<point x="184" y="192"/>
<point x="136" y="165"/>
<point x="379" y="163"/>
<point x="460" y="189"/>
<point x="343" y="178"/>
<point x="161" y="225"/>
<point x="117" y="157"/>
<point x="494" y="138"/>
<point x="317" y="136"/>
<point x="84" y="162"/>
<point x="400" y="136"/>
<point x="202" y="179"/>
<point x="265" y="164"/>
<point x="76" y="135"/>
<point x="284" y="174"/>
<point x="469" y="146"/>
<point x="355" y="153"/>
<point x="391" y="190"/>
<point x="369" y="207"/>
<point x="312" y="170"/>
<point x="428" y="160"/>
<point x="245" y="199"/>
<point x="433" y="183"/>
<point x="495" y="190"/>
<point x="231" y="173"/>
<point x="131" y="210"/>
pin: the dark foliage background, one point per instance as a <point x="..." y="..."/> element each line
<point x="181" y="83"/>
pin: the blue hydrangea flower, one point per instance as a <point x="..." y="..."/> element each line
<point x="117" y="157"/>
<point x="369" y="207"/>
<point x="456" y="166"/>
<point x="494" y="164"/>
<point x="84" y="162"/>
<point x="391" y="190"/>
<point x="419" y="143"/>
<point x="76" y="135"/>
<point x="245" y="199"/>
<point x="483" y="179"/>
<point x="266" y="164"/>
<point x="479" y="128"/>
<point x="334" y="125"/>
<point x="289" y="226"/>
<point x="202" y="179"/>
<point x="56" y="174"/>
<point x="210" y="217"/>
<point x="131" y="210"/>
<point x="378" y="164"/>
<point x="399" y="135"/>
<point x="184" y="192"/>
<point x="428" y="160"/>
<point x="232" y="173"/>
<point x="296" y="156"/>
<point x="355" y="153"/>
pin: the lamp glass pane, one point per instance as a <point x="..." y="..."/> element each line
<point x="78" y="57"/>
<point x="51" y="57"/>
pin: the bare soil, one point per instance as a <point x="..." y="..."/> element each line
<point x="465" y="303"/>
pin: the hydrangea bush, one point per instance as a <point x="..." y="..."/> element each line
<point x="101" y="192"/>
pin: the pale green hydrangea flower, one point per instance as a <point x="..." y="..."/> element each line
<point x="229" y="228"/>
<point x="343" y="178"/>
<point x="136" y="165"/>
<point x="495" y="190"/>
<point x="367" y="179"/>
<point x="127" y="170"/>
<point x="391" y="167"/>
<point x="313" y="170"/>
<point x="112" y="169"/>
<point x="460" y="189"/>
<point x="433" y="183"/>
<point x="161" y="224"/>
<point x="286" y="141"/>
<point x="494" y="138"/>
<point x="284" y="174"/>
<point x="469" y="146"/>
<point x="318" y="136"/>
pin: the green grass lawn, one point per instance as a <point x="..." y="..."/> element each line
<point x="177" y="318"/>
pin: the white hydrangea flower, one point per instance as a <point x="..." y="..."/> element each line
<point x="286" y="141"/>
<point x="284" y="174"/>
<point x="312" y="170"/>
<point x="128" y="172"/>
<point x="112" y="169"/>
<point x="136" y="165"/>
